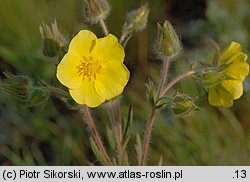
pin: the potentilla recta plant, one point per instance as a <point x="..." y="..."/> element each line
<point x="94" y="74"/>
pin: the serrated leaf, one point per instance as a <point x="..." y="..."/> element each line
<point x="97" y="152"/>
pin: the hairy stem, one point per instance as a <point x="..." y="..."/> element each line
<point x="185" y="75"/>
<point x="147" y="137"/>
<point x="58" y="90"/>
<point x="116" y="135"/>
<point x="104" y="27"/>
<point x="163" y="77"/>
<point x="119" y="124"/>
<point x="95" y="133"/>
<point x="151" y="120"/>
<point x="124" y="34"/>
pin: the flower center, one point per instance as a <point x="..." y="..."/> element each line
<point x="88" y="68"/>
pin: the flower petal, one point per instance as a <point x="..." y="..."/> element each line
<point x="229" y="51"/>
<point x="238" y="68"/>
<point x="111" y="81"/>
<point x="67" y="71"/>
<point x="82" y="42"/>
<point x="86" y="94"/>
<point x="108" y="49"/>
<point x="234" y="87"/>
<point x="219" y="97"/>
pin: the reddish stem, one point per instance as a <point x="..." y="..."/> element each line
<point x="185" y="75"/>
<point x="104" y="27"/>
<point x="118" y="111"/>
<point x="163" y="77"/>
<point x="147" y="137"/>
<point x="116" y="135"/>
<point x="95" y="133"/>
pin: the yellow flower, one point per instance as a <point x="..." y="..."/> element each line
<point x="93" y="68"/>
<point x="226" y="80"/>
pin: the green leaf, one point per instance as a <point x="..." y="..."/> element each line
<point x="38" y="96"/>
<point x="70" y="103"/>
<point x="62" y="51"/>
<point x="97" y="152"/>
<point x="160" y="161"/>
<point x="138" y="148"/>
<point x="152" y="96"/>
<point x="50" y="48"/>
<point x="111" y="139"/>
<point x="125" y="161"/>
<point x="128" y="123"/>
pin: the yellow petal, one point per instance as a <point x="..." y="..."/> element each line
<point x="108" y="49"/>
<point x="219" y="97"/>
<point x="86" y="94"/>
<point x="239" y="68"/>
<point x="111" y="81"/>
<point x="213" y="97"/>
<point x="82" y="43"/>
<point x="67" y="71"/>
<point x="234" y="87"/>
<point x="229" y="51"/>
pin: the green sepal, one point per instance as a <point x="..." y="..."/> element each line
<point x="152" y="96"/>
<point x="161" y="102"/>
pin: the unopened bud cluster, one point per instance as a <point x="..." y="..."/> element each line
<point x="95" y="10"/>
<point x="54" y="41"/>
<point x="137" y="19"/>
<point x="22" y="88"/>
<point x="168" y="43"/>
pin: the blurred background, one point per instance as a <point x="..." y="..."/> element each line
<point x="54" y="135"/>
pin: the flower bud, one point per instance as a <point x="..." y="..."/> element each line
<point x="168" y="44"/>
<point x="22" y="88"/>
<point x="15" y="85"/>
<point x="37" y="96"/>
<point x="137" y="19"/>
<point x="183" y="105"/>
<point x="94" y="10"/>
<point x="53" y="39"/>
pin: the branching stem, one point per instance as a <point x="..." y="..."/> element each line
<point x="160" y="93"/>
<point x="181" y="77"/>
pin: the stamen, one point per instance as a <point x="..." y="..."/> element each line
<point x="88" y="68"/>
